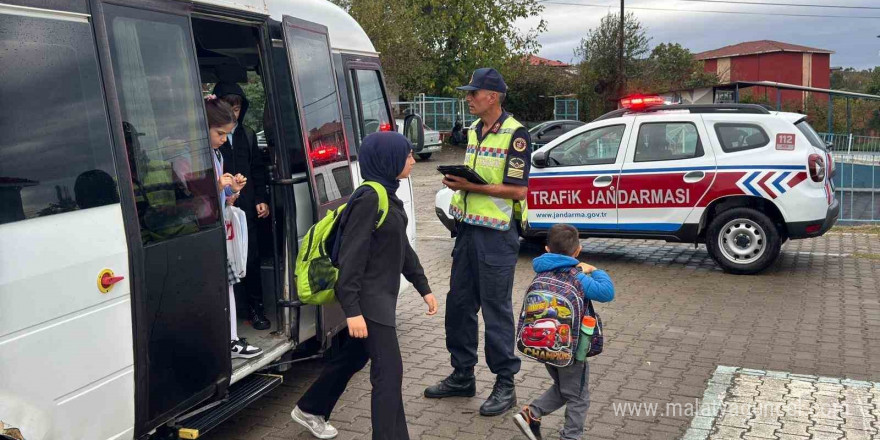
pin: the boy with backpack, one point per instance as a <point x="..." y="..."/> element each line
<point x="557" y="301"/>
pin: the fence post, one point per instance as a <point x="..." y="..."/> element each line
<point x="849" y="144"/>
<point x="830" y="113"/>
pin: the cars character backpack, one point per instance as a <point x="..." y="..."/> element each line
<point x="549" y="324"/>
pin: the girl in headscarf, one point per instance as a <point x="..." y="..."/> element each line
<point x="370" y="262"/>
<point x="221" y="122"/>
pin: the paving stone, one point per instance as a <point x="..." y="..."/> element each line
<point x="697" y="325"/>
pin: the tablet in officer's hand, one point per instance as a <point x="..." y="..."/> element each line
<point x="462" y="171"/>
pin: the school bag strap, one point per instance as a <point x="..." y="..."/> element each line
<point x="383" y="200"/>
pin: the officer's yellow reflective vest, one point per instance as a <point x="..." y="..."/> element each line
<point x="158" y="184"/>
<point x="488" y="159"/>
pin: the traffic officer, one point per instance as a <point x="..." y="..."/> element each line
<point x="486" y="245"/>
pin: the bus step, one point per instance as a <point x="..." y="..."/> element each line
<point x="240" y="395"/>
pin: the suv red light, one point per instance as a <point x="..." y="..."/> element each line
<point x="816" y="166"/>
<point x="638" y="102"/>
<point x="812" y="229"/>
<point x="832" y="167"/>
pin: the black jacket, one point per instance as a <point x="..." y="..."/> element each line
<point x="244" y="157"/>
<point x="371" y="261"/>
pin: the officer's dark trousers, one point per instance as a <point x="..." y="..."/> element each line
<point x="386" y="376"/>
<point x="249" y="292"/>
<point x="483" y="263"/>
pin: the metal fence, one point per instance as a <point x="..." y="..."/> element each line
<point x="438" y="113"/>
<point x="857" y="180"/>
<point x="565" y="108"/>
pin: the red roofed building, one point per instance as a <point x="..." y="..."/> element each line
<point x="535" y="60"/>
<point x="767" y="60"/>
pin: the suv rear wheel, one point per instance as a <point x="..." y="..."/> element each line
<point x="743" y="241"/>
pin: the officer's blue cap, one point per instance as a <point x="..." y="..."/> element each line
<point x="486" y="78"/>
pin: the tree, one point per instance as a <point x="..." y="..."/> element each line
<point x="432" y="46"/>
<point x="672" y="67"/>
<point x="599" y="60"/>
<point x="531" y="87"/>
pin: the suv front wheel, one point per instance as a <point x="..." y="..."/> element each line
<point x="743" y="241"/>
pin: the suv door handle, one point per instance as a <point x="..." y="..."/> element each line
<point x="694" y="176"/>
<point x="602" y="181"/>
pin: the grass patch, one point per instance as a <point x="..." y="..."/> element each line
<point x="865" y="256"/>
<point x="862" y="229"/>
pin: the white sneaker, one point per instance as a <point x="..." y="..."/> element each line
<point x="241" y="349"/>
<point x="315" y="424"/>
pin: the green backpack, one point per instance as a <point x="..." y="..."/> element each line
<point x="315" y="274"/>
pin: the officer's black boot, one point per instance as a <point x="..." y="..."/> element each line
<point x="258" y="317"/>
<point x="460" y="383"/>
<point x="503" y="397"/>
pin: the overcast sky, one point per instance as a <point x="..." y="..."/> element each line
<point x="854" y="40"/>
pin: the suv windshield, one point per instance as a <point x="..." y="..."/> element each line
<point x="538" y="127"/>
<point x="810" y="134"/>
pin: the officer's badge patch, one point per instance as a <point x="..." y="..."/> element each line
<point x="517" y="163"/>
<point x="496" y="127"/>
<point x="519" y="144"/>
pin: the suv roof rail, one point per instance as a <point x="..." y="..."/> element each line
<point x="693" y="108"/>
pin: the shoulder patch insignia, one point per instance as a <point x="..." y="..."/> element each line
<point x="517" y="163"/>
<point x="519" y="144"/>
<point x="515" y="173"/>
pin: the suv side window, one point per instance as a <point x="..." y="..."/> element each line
<point x="598" y="146"/>
<point x="740" y="137"/>
<point x="807" y="130"/>
<point x="55" y="151"/>
<point x="667" y="141"/>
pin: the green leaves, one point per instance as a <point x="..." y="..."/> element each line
<point x="432" y="46"/>
<point x="667" y="67"/>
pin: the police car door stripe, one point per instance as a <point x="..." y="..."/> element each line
<point x="747" y="184"/>
<point x="659" y="227"/>
<point x="662" y="170"/>
<point x="762" y="183"/>
<point x="776" y="183"/>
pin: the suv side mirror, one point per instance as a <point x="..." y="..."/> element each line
<point x="539" y="159"/>
<point x="414" y="131"/>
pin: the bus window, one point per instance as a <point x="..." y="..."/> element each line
<point x="164" y="125"/>
<point x="319" y="104"/>
<point x="55" y="151"/>
<point x="371" y="103"/>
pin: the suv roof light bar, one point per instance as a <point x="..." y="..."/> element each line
<point x="693" y="108"/>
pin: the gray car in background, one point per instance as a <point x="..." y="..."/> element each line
<point x="546" y="132"/>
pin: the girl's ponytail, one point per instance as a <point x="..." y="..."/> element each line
<point x="219" y="112"/>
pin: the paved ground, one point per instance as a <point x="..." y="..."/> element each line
<point x="753" y="404"/>
<point x="675" y="320"/>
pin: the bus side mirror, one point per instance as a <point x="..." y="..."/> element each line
<point x="539" y="159"/>
<point x="414" y="131"/>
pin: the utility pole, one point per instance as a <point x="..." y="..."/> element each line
<point x="621" y="75"/>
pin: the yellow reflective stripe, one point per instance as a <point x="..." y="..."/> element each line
<point x="187" y="433"/>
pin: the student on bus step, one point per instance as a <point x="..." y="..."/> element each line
<point x="242" y="155"/>
<point x="221" y="122"/>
